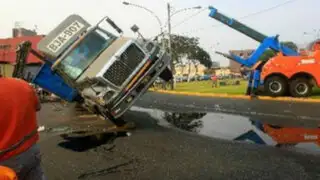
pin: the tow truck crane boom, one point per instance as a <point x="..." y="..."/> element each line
<point x="234" y="24"/>
<point x="253" y="62"/>
<point x="266" y="42"/>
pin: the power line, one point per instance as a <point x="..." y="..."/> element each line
<point x="189" y="17"/>
<point x="246" y="16"/>
<point x="268" y="9"/>
<point x="181" y="22"/>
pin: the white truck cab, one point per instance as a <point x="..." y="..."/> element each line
<point x="110" y="71"/>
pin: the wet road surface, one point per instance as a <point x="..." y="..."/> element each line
<point x="240" y="128"/>
<point x="174" y="145"/>
<point x="293" y="113"/>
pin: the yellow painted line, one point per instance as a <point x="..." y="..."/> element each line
<point x="87" y="116"/>
<point x="267" y="98"/>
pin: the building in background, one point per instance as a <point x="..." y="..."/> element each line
<point x="235" y="66"/>
<point x="183" y="69"/>
<point x="215" y="64"/>
<point x="19" y="32"/>
<point x="8" y="52"/>
<point x="222" y="72"/>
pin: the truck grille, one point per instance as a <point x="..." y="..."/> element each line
<point x="121" y="69"/>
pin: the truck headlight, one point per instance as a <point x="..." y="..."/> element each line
<point x="160" y="64"/>
<point x="129" y="99"/>
<point x="149" y="46"/>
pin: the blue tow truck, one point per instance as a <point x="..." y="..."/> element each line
<point x="253" y="61"/>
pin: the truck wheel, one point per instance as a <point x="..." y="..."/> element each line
<point x="300" y="87"/>
<point x="276" y="86"/>
<point x="166" y="75"/>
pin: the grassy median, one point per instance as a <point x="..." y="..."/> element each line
<point x="206" y="87"/>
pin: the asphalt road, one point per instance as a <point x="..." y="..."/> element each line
<point x="156" y="152"/>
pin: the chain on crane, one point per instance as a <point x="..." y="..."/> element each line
<point x="21" y="59"/>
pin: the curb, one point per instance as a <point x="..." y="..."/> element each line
<point x="266" y="98"/>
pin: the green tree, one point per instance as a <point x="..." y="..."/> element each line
<point x="183" y="46"/>
<point x="267" y="55"/>
<point x="270" y="53"/>
<point x="290" y="45"/>
<point x="201" y="55"/>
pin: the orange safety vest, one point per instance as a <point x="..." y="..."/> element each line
<point x="18" y="123"/>
<point x="7" y="174"/>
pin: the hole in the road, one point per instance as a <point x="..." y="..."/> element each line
<point x="85" y="143"/>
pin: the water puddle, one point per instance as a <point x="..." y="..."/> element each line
<point x="240" y="128"/>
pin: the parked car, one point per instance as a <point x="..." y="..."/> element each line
<point x="205" y="77"/>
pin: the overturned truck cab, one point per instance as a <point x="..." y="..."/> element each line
<point x="108" y="70"/>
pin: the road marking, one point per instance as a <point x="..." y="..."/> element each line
<point x="88" y="116"/>
<point x="286" y="99"/>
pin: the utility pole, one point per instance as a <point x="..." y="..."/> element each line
<point x="169" y="45"/>
<point x="164" y="42"/>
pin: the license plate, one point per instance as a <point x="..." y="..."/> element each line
<point x="64" y="36"/>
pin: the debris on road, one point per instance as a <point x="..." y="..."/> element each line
<point x="41" y="128"/>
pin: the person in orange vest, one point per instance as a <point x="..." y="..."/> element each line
<point x="7" y="173"/>
<point x="18" y="129"/>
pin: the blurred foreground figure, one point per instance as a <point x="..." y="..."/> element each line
<point x="18" y="129"/>
<point x="7" y="174"/>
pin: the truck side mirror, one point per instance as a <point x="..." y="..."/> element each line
<point x="135" y="28"/>
<point x="114" y="25"/>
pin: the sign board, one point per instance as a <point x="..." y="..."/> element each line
<point x="308" y="61"/>
<point x="63" y="35"/>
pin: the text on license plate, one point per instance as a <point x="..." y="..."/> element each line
<point x="64" y="36"/>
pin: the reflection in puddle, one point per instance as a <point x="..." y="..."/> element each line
<point x="186" y="121"/>
<point x="239" y="128"/>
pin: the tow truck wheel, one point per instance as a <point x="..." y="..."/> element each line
<point x="300" y="87"/>
<point x="276" y="86"/>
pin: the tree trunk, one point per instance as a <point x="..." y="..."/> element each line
<point x="189" y="71"/>
<point x="196" y="66"/>
<point x="173" y="81"/>
<point x="183" y="68"/>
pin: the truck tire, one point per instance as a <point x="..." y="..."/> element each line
<point x="276" y="86"/>
<point x="166" y="75"/>
<point x="300" y="87"/>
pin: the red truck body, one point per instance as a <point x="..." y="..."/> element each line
<point x="296" y="74"/>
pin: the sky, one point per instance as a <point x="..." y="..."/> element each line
<point x="290" y="21"/>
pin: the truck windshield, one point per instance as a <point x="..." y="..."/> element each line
<point x="78" y="60"/>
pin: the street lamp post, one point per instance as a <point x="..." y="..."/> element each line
<point x="169" y="44"/>
<point x="316" y="33"/>
<point x="151" y="12"/>
<point x="170" y="14"/>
